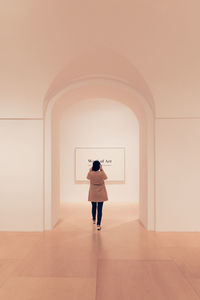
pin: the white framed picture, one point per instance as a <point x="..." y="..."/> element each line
<point x="111" y="158"/>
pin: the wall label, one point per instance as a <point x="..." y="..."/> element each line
<point x="104" y="162"/>
<point x="112" y="160"/>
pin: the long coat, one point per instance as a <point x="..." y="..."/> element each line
<point x="97" y="191"/>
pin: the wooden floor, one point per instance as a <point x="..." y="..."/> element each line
<point x="123" y="261"/>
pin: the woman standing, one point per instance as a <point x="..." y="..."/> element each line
<point x="97" y="192"/>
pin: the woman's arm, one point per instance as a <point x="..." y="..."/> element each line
<point x="88" y="175"/>
<point x="103" y="173"/>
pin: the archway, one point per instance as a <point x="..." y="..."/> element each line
<point x="95" y="125"/>
<point x="122" y="92"/>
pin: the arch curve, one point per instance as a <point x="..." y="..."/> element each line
<point x="102" y="63"/>
<point x="122" y="92"/>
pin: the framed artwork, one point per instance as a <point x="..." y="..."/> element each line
<point x="111" y="158"/>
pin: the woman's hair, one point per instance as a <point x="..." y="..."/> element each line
<point x="96" y="165"/>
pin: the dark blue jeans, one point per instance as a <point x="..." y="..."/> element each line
<point x="97" y="206"/>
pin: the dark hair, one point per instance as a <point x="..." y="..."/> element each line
<point x="96" y="165"/>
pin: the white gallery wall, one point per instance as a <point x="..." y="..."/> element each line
<point x="152" y="46"/>
<point x="21" y="175"/>
<point x="96" y="123"/>
<point x="178" y="174"/>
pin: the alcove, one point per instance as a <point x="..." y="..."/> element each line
<point x="106" y="88"/>
<point x="90" y="123"/>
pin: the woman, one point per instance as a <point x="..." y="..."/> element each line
<point x="97" y="192"/>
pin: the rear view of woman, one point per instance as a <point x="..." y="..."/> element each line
<point x="97" y="191"/>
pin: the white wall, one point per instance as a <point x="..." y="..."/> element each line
<point x="38" y="42"/>
<point x="96" y="123"/>
<point x="21" y="175"/>
<point x="178" y="175"/>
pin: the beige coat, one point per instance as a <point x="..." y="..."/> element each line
<point x="97" y="191"/>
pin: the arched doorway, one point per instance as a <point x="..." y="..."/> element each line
<point x="95" y="125"/>
<point x="119" y="91"/>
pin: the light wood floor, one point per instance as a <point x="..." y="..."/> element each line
<point x="123" y="261"/>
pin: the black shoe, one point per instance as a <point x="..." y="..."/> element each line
<point x="98" y="227"/>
